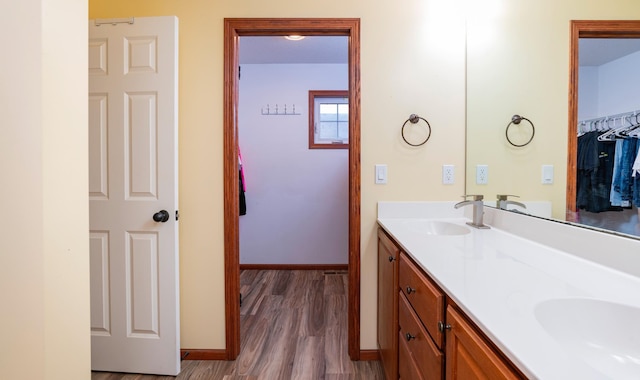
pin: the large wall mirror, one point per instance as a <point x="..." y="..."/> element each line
<point x="575" y="81"/>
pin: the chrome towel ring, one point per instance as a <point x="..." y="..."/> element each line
<point x="515" y="120"/>
<point x="414" y="119"/>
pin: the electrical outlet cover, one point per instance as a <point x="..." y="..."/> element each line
<point x="482" y="174"/>
<point x="448" y="174"/>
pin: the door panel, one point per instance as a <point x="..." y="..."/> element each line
<point x="133" y="175"/>
<point x="99" y="288"/>
<point x="141" y="150"/>
<point x="98" y="148"/>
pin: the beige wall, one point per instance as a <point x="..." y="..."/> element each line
<point x="518" y="63"/>
<point x="44" y="262"/>
<point x="412" y="62"/>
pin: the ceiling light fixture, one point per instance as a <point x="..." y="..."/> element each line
<point x="294" y="37"/>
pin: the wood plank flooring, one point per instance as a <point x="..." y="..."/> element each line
<point x="294" y="326"/>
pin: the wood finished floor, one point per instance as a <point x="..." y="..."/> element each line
<point x="294" y="326"/>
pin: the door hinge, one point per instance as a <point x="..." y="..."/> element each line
<point x="177" y="215"/>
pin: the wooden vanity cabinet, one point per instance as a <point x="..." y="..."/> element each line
<point x="420" y="310"/>
<point x="417" y="348"/>
<point x="417" y="339"/>
<point x="469" y="356"/>
<point x="424" y="296"/>
<point x="408" y="369"/>
<point x="388" y="255"/>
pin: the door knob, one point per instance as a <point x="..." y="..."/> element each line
<point x="161" y="216"/>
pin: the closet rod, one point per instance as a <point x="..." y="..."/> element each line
<point x="610" y="117"/>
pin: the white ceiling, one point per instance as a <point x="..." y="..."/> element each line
<point x="312" y="49"/>
<point x="598" y="51"/>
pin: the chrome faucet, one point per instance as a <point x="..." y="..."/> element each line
<point x="502" y="202"/>
<point x="477" y="210"/>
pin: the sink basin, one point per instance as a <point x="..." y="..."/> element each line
<point x="437" y="227"/>
<point x="605" y="335"/>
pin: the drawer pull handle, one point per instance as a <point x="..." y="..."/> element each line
<point x="410" y="290"/>
<point x="391" y="258"/>
<point x="409" y="337"/>
<point x="442" y="326"/>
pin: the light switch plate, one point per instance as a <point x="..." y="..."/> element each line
<point x="547" y="174"/>
<point x="381" y="174"/>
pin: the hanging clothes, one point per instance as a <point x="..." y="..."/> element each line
<point x="608" y="163"/>
<point x="624" y="184"/>
<point x="595" y="172"/>
<point x="241" y="185"/>
<point x="615" y="198"/>
<point x="636" y="176"/>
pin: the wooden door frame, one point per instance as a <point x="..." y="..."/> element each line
<point x="586" y="29"/>
<point x="233" y="29"/>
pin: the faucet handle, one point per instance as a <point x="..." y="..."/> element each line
<point x="475" y="197"/>
<point x="503" y="197"/>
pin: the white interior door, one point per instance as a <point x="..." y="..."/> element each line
<point x="133" y="176"/>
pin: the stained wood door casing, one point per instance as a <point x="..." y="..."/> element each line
<point x="233" y="29"/>
<point x="388" y="327"/>
<point x="586" y="29"/>
<point x="132" y="176"/>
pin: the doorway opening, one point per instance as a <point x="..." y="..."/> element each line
<point x="233" y="30"/>
<point x="586" y="29"/>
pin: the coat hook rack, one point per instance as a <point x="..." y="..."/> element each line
<point x="279" y="110"/>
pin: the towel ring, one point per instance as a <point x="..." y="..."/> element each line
<point x="414" y="119"/>
<point x="516" y="119"/>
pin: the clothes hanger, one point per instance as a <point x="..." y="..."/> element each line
<point x="616" y="133"/>
<point x="582" y="128"/>
<point x="634" y="131"/>
<point x="610" y="133"/>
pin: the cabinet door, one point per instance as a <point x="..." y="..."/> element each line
<point x="388" y="254"/>
<point x="469" y="357"/>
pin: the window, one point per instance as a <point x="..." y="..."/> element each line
<point x="328" y="119"/>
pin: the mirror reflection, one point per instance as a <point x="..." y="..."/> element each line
<point x="523" y="71"/>
<point x="607" y="179"/>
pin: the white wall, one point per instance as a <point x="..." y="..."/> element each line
<point x="411" y="61"/>
<point x="297" y="198"/>
<point x="44" y="260"/>
<point x="610" y="88"/>
<point x="618" y="85"/>
<point x="588" y="92"/>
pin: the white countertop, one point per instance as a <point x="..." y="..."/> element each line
<point x="499" y="278"/>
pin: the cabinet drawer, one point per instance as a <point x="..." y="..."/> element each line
<point x="418" y="342"/>
<point x="407" y="367"/>
<point x="425" y="298"/>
